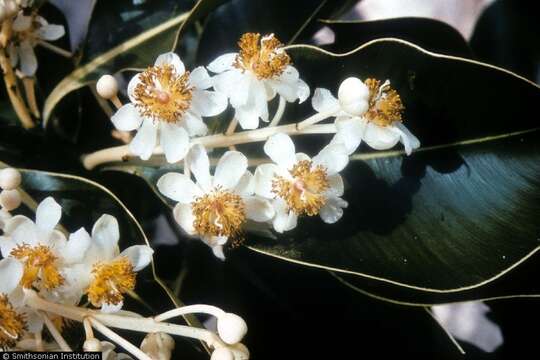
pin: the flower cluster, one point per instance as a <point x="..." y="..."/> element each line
<point x="168" y="102"/>
<point x="27" y="30"/>
<point x="45" y="273"/>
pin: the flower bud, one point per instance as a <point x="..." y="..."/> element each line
<point x="107" y="87"/>
<point x="231" y="328"/>
<point x="158" y="346"/>
<point x="92" y="345"/>
<point x="10" y="178"/>
<point x="353" y="96"/>
<point x="222" y="353"/>
<point x="10" y="199"/>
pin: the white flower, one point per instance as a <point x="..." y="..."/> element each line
<point x="43" y="250"/>
<point x="45" y="256"/>
<point x="299" y="185"/>
<point x="366" y="111"/>
<point x="28" y="30"/>
<point x="104" y="273"/>
<point x="12" y="320"/>
<point x="254" y="75"/>
<point x="215" y="208"/>
<point x="168" y="101"/>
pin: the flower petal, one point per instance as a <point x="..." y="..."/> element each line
<point x="144" y="143"/>
<point x="171" y="58"/>
<point x="27" y="58"/>
<point x="289" y="75"/>
<point x="380" y="138"/>
<point x="178" y="187"/>
<point x="13" y="54"/>
<point x="6" y="246"/>
<point x="324" y="101"/>
<point x="48" y="214"/>
<point x="76" y="246"/>
<point x="194" y="124"/>
<point x="111" y="308"/>
<point x="410" y="142"/>
<point x="230" y="168"/>
<point x="280" y="148"/>
<point x="11" y="272"/>
<point x="127" y="118"/>
<point x="247" y="118"/>
<point x="284" y="220"/>
<point x="302" y="91"/>
<point x="199" y="164"/>
<point x="132" y="85"/>
<point x="222" y="63"/>
<point x="105" y="234"/>
<point x="259" y="209"/>
<point x="174" y="141"/>
<point x="335" y="186"/>
<point x="208" y="103"/>
<point x="332" y="210"/>
<point x="184" y="217"/>
<point x="199" y="78"/>
<point x="51" y="32"/>
<point x="333" y="157"/>
<point x="264" y="174"/>
<point x="139" y="256"/>
<point x="235" y="85"/>
<point x="21" y="22"/>
<point x="350" y="132"/>
<point x="13" y="223"/>
<point x="246" y="184"/>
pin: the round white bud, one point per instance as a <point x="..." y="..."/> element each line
<point x="107" y="87"/>
<point x="92" y="345"/>
<point x="222" y="353"/>
<point x="10" y="199"/>
<point x="10" y="178"/>
<point x="353" y="96"/>
<point x="231" y="328"/>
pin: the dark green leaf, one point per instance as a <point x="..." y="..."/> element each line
<point x="454" y="215"/>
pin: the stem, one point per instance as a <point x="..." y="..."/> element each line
<point x="116" y="102"/>
<point x="140" y="324"/>
<point x="232" y="126"/>
<point x="279" y="112"/>
<point x="30" y="91"/>
<point x="190" y="309"/>
<point x="135" y="351"/>
<point x="55" y="49"/>
<point x="122" y="153"/>
<point x="13" y="91"/>
<point x="39" y="342"/>
<point x="317" y="118"/>
<point x="55" y="333"/>
<point x="88" y="329"/>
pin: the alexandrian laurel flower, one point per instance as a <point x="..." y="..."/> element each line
<point x="253" y="76"/>
<point x="368" y="111"/>
<point x="215" y="208"/>
<point x="28" y="31"/>
<point x="104" y="273"/>
<point x="168" y="102"/>
<point x="299" y="185"/>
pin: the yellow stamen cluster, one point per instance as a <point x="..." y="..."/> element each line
<point x="263" y="57"/>
<point x="385" y="106"/>
<point x="304" y="194"/>
<point x="162" y="94"/>
<point x="219" y="213"/>
<point x="12" y="324"/>
<point x="110" y="281"/>
<point x="40" y="266"/>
